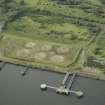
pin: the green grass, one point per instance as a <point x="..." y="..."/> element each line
<point x="100" y="43"/>
<point x="34" y="29"/>
<point x="58" y="25"/>
<point x="17" y="45"/>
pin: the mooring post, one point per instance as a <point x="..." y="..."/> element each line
<point x="2" y="65"/>
<point x="23" y="73"/>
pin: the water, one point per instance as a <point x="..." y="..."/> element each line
<point x="18" y="90"/>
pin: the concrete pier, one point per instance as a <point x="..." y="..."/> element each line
<point x="2" y="65"/>
<point x="65" y="88"/>
<point x="23" y="73"/>
<point x="71" y="81"/>
<point x="52" y="87"/>
<point x="65" y="78"/>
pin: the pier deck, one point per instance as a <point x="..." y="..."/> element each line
<point x="71" y="81"/>
<point x="2" y="65"/>
<point x="65" y="78"/>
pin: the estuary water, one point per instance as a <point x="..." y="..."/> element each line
<point x="18" y="90"/>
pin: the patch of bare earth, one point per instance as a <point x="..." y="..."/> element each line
<point x="40" y="55"/>
<point x="51" y="53"/>
<point x="57" y="58"/>
<point x="30" y="45"/>
<point x="23" y="53"/>
<point x="62" y="49"/>
<point x="46" y="47"/>
<point x="92" y="70"/>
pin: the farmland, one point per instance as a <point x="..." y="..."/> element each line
<point x="54" y="34"/>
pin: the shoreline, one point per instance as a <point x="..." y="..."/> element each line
<point x="79" y="73"/>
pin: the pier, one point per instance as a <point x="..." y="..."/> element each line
<point x="24" y="72"/>
<point x="2" y="65"/>
<point x="71" y="81"/>
<point x="65" y="87"/>
<point x="64" y="81"/>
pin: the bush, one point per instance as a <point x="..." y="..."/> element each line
<point x="97" y="51"/>
<point x="73" y="37"/>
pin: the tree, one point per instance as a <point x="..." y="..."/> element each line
<point x="103" y="1"/>
<point x="22" y="2"/>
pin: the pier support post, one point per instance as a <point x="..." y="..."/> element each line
<point x="3" y="65"/>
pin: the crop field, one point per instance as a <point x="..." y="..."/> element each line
<point x="54" y="34"/>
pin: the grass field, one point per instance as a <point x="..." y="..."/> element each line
<point x="51" y="33"/>
<point x="38" y="51"/>
<point x="43" y="27"/>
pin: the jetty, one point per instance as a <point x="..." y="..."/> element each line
<point x="66" y="86"/>
<point x="71" y="81"/>
<point x="64" y="81"/>
<point x="24" y="72"/>
<point x="2" y="65"/>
